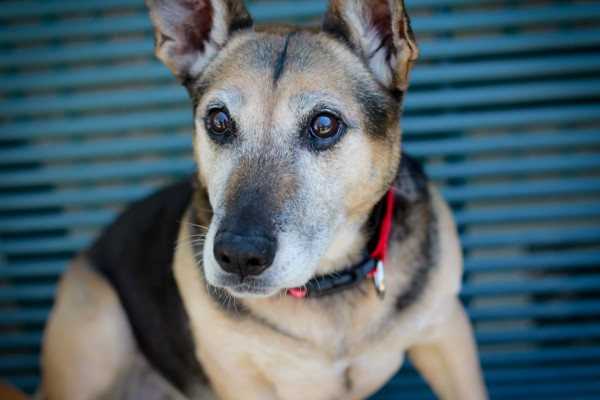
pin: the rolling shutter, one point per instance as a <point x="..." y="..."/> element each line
<point x="503" y="111"/>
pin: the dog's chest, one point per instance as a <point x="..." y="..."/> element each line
<point x="248" y="357"/>
<point x="255" y="361"/>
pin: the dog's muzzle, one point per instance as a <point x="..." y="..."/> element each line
<point x="244" y="255"/>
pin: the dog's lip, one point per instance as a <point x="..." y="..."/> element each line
<point x="248" y="287"/>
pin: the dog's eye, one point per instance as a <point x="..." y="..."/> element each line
<point x="324" y="126"/>
<point x="218" y="122"/>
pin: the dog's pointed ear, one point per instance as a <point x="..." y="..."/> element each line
<point x="380" y="31"/>
<point x="188" y="33"/>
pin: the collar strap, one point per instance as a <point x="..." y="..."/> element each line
<point x="370" y="268"/>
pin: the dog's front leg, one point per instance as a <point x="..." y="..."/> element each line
<point x="449" y="363"/>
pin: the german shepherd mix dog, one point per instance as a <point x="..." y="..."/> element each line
<point x="264" y="278"/>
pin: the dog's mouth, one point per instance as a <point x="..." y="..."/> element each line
<point x="247" y="287"/>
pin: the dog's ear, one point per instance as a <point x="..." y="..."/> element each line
<point x="380" y="31"/>
<point x="188" y="33"/>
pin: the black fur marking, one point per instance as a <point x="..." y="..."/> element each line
<point x="422" y="271"/>
<point x="413" y="207"/>
<point x="136" y="255"/>
<point x="378" y="106"/>
<point x="411" y="169"/>
<point x="335" y="26"/>
<point x="280" y="65"/>
<point x="240" y="22"/>
<point x="348" y="385"/>
<point x="197" y="90"/>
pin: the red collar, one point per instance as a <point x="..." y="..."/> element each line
<point x="371" y="268"/>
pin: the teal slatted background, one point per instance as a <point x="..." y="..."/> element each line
<point x="504" y="110"/>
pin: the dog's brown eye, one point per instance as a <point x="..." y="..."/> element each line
<point x="218" y="122"/>
<point x="324" y="126"/>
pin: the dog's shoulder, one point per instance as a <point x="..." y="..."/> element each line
<point x="142" y="222"/>
<point x="135" y="254"/>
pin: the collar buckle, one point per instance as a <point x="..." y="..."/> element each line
<point x="379" y="279"/>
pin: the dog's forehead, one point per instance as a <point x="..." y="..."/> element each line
<point x="268" y="72"/>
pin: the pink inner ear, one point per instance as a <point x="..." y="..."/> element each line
<point x="382" y="21"/>
<point x="198" y="25"/>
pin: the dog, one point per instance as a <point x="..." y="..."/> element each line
<point x="306" y="256"/>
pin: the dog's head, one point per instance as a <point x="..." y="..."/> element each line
<point x="297" y="132"/>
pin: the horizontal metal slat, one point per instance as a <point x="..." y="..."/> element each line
<point x="461" y="121"/>
<point x="504" y="18"/>
<point x="539" y="212"/>
<point x="540" y="391"/>
<point x="510" y="44"/>
<point x="521" y="190"/>
<point x="139" y="23"/>
<point x="79" y="196"/>
<point x="32" y="270"/>
<point x="32" y="9"/>
<point x="567" y="259"/>
<point x="517" y="166"/>
<point x="79" y="54"/>
<point x="36" y="223"/>
<point x="22" y="339"/>
<point x="110" y="75"/>
<point x="167" y="95"/>
<point x="502" y="69"/>
<point x="548" y="389"/>
<point x="19" y="363"/>
<point x="567" y="354"/>
<point x="540" y="334"/>
<point x="577" y="284"/>
<point x="504" y="94"/>
<point x="531" y="237"/>
<point x="90" y="28"/>
<point x="85" y="126"/>
<point x="556" y="309"/>
<point x="72" y="244"/>
<point x="410" y="378"/>
<point x="94" y="149"/>
<point x="24" y="316"/>
<point x="517" y="141"/>
<point x="28" y="292"/>
<point x="108" y="171"/>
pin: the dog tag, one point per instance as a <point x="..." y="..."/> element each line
<point x="379" y="279"/>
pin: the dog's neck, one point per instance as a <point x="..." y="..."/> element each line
<point x="346" y="248"/>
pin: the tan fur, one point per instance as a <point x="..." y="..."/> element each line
<point x="87" y="342"/>
<point x="296" y="350"/>
<point x="342" y="347"/>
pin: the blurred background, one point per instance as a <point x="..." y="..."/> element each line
<point x="503" y="111"/>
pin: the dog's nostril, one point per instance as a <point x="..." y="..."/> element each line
<point x="225" y="259"/>
<point x="253" y="262"/>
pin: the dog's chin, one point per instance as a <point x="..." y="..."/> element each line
<point x="249" y="287"/>
<point x="248" y="291"/>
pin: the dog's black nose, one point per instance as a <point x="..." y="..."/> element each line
<point x="244" y="255"/>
